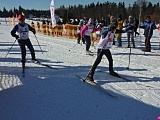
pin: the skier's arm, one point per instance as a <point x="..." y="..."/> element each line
<point x="83" y="30"/>
<point x="153" y="25"/>
<point x="13" y="32"/>
<point x="104" y="32"/>
<point x="144" y="25"/>
<point x="32" y="29"/>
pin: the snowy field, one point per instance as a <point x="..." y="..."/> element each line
<point x="47" y="94"/>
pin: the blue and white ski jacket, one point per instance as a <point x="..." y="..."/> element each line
<point x="148" y="28"/>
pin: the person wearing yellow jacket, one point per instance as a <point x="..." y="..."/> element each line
<point x="119" y="28"/>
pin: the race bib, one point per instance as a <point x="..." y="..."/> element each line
<point x="109" y="45"/>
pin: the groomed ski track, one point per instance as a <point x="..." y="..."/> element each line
<point x="47" y="89"/>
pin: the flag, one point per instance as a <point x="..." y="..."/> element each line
<point x="52" y="14"/>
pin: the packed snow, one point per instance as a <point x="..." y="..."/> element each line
<point x="48" y="94"/>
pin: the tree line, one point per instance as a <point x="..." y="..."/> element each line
<point x="98" y="10"/>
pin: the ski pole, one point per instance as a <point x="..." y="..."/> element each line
<point x="74" y="45"/>
<point x="140" y="38"/>
<point x="38" y="43"/>
<point x="129" y="59"/>
<point x="10" y="48"/>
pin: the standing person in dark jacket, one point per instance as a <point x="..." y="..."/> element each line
<point x="107" y="23"/>
<point x="85" y="20"/>
<point x="23" y="29"/>
<point x="148" y="26"/>
<point x="130" y="24"/>
<point x="136" y="26"/>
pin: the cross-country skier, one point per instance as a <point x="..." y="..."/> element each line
<point x="86" y="34"/>
<point x="104" y="46"/>
<point x="148" y="27"/>
<point x="23" y="29"/>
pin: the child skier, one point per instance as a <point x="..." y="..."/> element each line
<point x="86" y="34"/>
<point x="104" y="46"/>
<point x="23" y="38"/>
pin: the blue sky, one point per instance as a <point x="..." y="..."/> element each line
<point x="44" y="4"/>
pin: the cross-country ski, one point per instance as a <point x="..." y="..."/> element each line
<point x="97" y="86"/>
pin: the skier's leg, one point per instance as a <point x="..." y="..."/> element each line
<point x="110" y="60"/>
<point x="88" y="42"/>
<point x="149" y="45"/>
<point x="30" y="47"/>
<point x="97" y="61"/>
<point x="146" y="43"/>
<point x="78" y="39"/>
<point x="109" y="57"/>
<point x="128" y="39"/>
<point x="132" y="39"/>
<point x="23" y="50"/>
<point x="119" y="41"/>
<point x="83" y="40"/>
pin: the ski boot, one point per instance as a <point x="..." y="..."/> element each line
<point x="35" y="61"/>
<point x="114" y="74"/>
<point x="23" y="65"/>
<point x="88" y="52"/>
<point x="90" y="78"/>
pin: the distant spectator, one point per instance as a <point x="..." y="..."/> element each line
<point x="85" y="21"/>
<point x="119" y="28"/>
<point x="43" y="22"/>
<point x="59" y="22"/>
<point x="108" y="20"/>
<point x="148" y="27"/>
<point x="130" y="24"/>
<point x="79" y="27"/>
<point x="136" y="26"/>
<point x="48" y="22"/>
<point x="113" y="22"/>
<point x="38" y="25"/>
<point x="32" y="22"/>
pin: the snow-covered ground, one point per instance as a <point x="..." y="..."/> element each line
<point x="47" y="94"/>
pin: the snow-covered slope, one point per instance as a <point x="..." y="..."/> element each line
<point x="47" y="94"/>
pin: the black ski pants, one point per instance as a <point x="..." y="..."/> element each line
<point x="79" y="38"/>
<point x="88" y="42"/>
<point x="130" y="35"/>
<point x="22" y="44"/>
<point x="147" y="43"/>
<point x="100" y="54"/>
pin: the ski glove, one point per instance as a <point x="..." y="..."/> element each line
<point x="16" y="36"/>
<point x="34" y="32"/>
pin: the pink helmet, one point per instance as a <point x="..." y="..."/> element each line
<point x="20" y="16"/>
